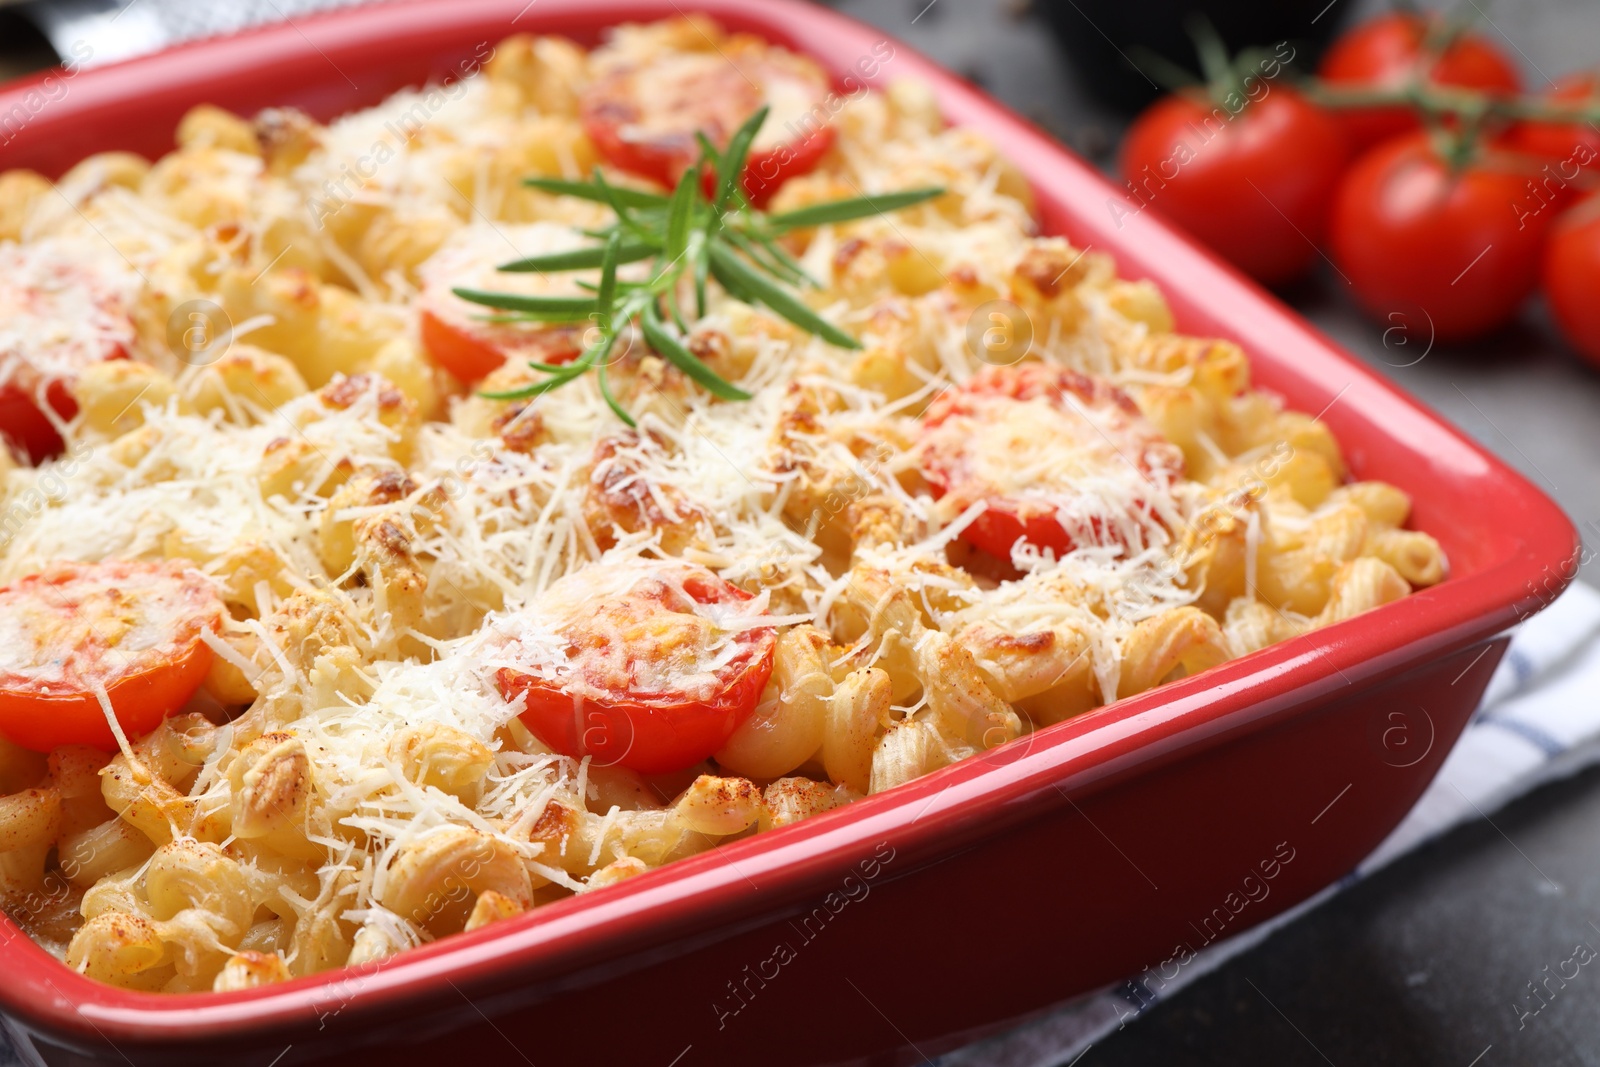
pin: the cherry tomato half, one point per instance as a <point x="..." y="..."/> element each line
<point x="649" y="665"/>
<point x="60" y="311"/>
<point x="1572" y="277"/>
<point x="1254" y="188"/>
<point x="1059" y="459"/>
<point x="1412" y="236"/>
<point x="1387" y="51"/>
<point x="471" y="349"/>
<point x="465" y="338"/>
<point x="74" y="631"/>
<point x="643" y="118"/>
<point x="24" y="423"/>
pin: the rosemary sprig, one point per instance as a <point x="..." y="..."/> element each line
<point x="687" y="235"/>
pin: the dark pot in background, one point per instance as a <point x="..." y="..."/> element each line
<point x="1099" y="36"/>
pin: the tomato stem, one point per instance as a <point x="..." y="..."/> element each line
<point x="1455" y="147"/>
<point x="1434" y="99"/>
<point x="1222" y="79"/>
<point x="1440" y="36"/>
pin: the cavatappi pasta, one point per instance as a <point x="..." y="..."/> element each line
<point x="884" y="561"/>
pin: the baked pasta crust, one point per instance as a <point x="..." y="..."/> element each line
<point x="350" y="781"/>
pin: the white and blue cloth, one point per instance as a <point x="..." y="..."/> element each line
<point x="1539" y="721"/>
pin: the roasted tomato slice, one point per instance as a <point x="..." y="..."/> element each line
<point x="61" y="309"/>
<point x="649" y="665"/>
<point x="1059" y="459"/>
<point x="77" y="632"/>
<point x="643" y="118"/>
<point x="465" y="338"/>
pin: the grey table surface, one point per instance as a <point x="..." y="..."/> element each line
<point x="1430" y="961"/>
<point x="1424" y="963"/>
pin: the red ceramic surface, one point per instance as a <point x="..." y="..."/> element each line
<point x="920" y="918"/>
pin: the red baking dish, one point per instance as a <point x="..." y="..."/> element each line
<point x="922" y="918"/>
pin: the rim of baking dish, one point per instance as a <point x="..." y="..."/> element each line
<point x="1524" y="546"/>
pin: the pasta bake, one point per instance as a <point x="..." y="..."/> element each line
<point x="570" y="466"/>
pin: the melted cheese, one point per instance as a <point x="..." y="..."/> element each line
<point x="64" y="304"/>
<point x="631" y="628"/>
<point x="1099" y="471"/>
<point x="470" y="258"/>
<point x="191" y="486"/>
<point x="70" y="632"/>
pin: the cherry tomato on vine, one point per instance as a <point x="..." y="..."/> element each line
<point x="1254" y="188"/>
<point x="1573" y="148"/>
<point x="1387" y="51"/>
<point x="1571" y="277"/>
<point x="1412" y="231"/>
